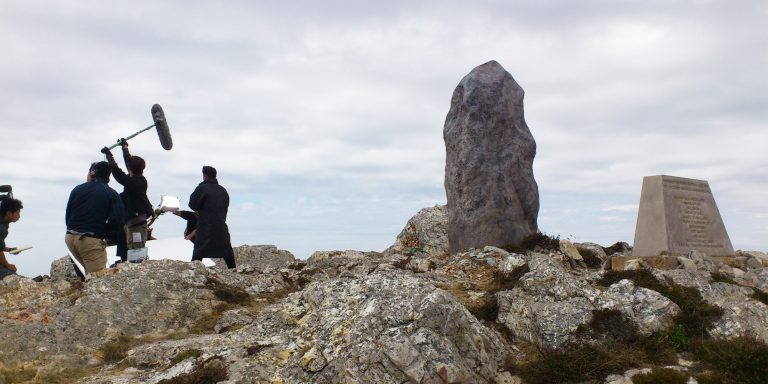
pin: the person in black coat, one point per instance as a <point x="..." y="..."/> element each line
<point x="137" y="207"/>
<point x="211" y="202"/>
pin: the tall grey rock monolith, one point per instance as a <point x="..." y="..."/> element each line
<point x="679" y="215"/>
<point x="493" y="198"/>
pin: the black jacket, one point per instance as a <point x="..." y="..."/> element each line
<point x="134" y="196"/>
<point x="211" y="201"/>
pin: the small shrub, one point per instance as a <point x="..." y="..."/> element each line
<point x="208" y="321"/>
<point x="612" y="327"/>
<point x="297" y="266"/>
<point x="696" y="315"/>
<point x="741" y="360"/>
<point x="618" y="247"/>
<point x="117" y="350"/>
<point x="181" y="356"/>
<point x="403" y="262"/>
<point x="486" y="309"/>
<point x="641" y="278"/>
<point x="759" y="295"/>
<point x="661" y="376"/>
<point x="609" y="324"/>
<point x="542" y="241"/>
<point x="255" y="349"/>
<point x="708" y="378"/>
<point x="514" y="248"/>
<point x="210" y="371"/>
<point x="677" y="336"/>
<point x="228" y="293"/>
<point x="573" y="364"/>
<point x="590" y="258"/>
<point x="505" y="281"/>
<point x="720" y="277"/>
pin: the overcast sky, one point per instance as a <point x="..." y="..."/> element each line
<point x="325" y="118"/>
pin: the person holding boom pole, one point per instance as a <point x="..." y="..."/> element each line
<point x="136" y="205"/>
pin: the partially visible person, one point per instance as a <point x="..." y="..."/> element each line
<point x="211" y="202"/>
<point x="10" y="212"/>
<point x="136" y="205"/>
<point x="191" y="229"/>
<point x="94" y="216"/>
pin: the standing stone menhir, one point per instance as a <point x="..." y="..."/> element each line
<point x="679" y="215"/>
<point x="493" y="198"/>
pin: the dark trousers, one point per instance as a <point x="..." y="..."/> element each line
<point x="229" y="260"/>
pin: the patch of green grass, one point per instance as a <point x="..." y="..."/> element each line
<point x="17" y="375"/>
<point x="661" y="376"/>
<point x="210" y="371"/>
<point x="741" y="360"/>
<point x="183" y="355"/>
<point x="64" y="376"/>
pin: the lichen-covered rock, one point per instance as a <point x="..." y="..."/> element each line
<point x="549" y="305"/>
<point x="595" y="249"/>
<point x="648" y="309"/>
<point x="425" y="232"/>
<point x="543" y="320"/>
<point x="492" y="196"/>
<point x="389" y="327"/>
<point x="263" y="258"/>
<point x="62" y="269"/>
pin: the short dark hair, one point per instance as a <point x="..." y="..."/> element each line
<point x="100" y="170"/>
<point x="209" y="171"/>
<point x="10" y="205"/>
<point x="136" y="165"/>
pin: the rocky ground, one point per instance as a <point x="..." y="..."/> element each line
<point x="548" y="312"/>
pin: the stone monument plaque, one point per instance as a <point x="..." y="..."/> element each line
<point x="679" y="215"/>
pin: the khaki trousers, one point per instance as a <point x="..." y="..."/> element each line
<point x="89" y="251"/>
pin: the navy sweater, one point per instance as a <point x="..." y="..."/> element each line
<point x="94" y="207"/>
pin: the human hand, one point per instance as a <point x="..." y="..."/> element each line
<point x="123" y="142"/>
<point x="12" y="267"/>
<point x="106" y="151"/>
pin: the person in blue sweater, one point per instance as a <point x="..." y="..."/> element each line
<point x="94" y="216"/>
